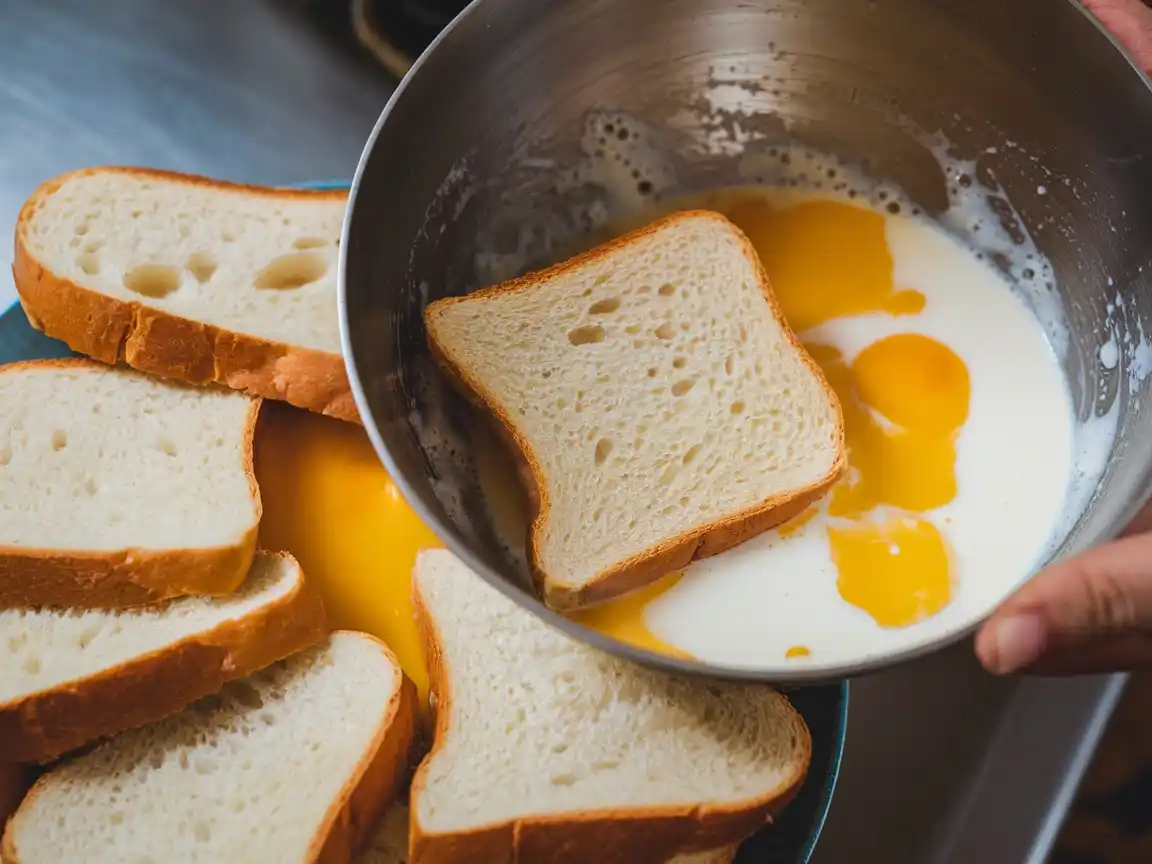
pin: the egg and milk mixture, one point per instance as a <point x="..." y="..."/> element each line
<point x="960" y="441"/>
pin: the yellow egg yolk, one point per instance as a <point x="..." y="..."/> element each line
<point x="329" y="501"/>
<point x="623" y="619"/>
<point x="896" y="570"/>
<point x="825" y="259"/>
<point x="903" y="456"/>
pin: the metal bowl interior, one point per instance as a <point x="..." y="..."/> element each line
<point x="459" y="183"/>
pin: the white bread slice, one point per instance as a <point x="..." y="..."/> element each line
<point x="548" y="750"/>
<point x="389" y="844"/>
<point x="71" y="677"/>
<point x="663" y="407"/>
<point x="294" y="764"/>
<point x="190" y="278"/>
<point x="117" y="489"/>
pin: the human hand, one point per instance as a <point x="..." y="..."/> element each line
<point x="1130" y="21"/>
<point x="1092" y="613"/>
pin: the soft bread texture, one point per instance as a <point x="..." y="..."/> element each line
<point x="190" y="278"/>
<point x="663" y="407"/>
<point x="294" y="764"/>
<point x="389" y="844"/>
<point x="71" y="677"/>
<point x="117" y="489"/>
<point x="546" y="750"/>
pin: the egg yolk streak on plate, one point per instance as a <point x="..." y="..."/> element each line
<point x="329" y="501"/>
<point x="905" y="398"/>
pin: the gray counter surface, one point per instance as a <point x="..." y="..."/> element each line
<point x="944" y="764"/>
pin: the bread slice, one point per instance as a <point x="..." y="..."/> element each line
<point x="72" y="677"/>
<point x="389" y="844"/>
<point x="117" y="489"/>
<point x="190" y="278"/>
<point x="548" y="750"/>
<point x="293" y="764"/>
<point x="663" y="407"/>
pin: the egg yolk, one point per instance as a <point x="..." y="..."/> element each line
<point x="900" y="454"/>
<point x="623" y="619"/>
<point x="897" y="570"/>
<point x="825" y="259"/>
<point x="329" y="501"/>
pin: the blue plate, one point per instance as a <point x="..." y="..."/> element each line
<point x="824" y="708"/>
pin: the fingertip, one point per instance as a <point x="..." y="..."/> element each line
<point x="985" y="646"/>
<point x="1010" y="643"/>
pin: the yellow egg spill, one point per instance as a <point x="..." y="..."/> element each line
<point x="329" y="501"/>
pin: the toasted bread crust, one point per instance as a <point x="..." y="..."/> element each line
<point x="672" y="554"/>
<point x="157" y="342"/>
<point x="641" y="835"/>
<point x="366" y="794"/>
<point x="371" y="789"/>
<point x="126" y="578"/>
<point x="44" y="725"/>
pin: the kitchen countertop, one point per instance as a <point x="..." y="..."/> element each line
<point x="944" y="764"/>
<point x="240" y="90"/>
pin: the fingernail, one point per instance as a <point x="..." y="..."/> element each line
<point x="1019" y="642"/>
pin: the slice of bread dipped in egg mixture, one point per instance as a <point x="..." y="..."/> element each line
<point x="662" y="406"/>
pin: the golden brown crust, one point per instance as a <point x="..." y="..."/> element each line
<point x="348" y="825"/>
<point x="641" y="835"/>
<point x="160" y="343"/>
<point x="42" y="726"/>
<point x="676" y="552"/>
<point x="366" y="795"/>
<point x="127" y="578"/>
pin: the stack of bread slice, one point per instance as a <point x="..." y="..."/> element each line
<point x="178" y="691"/>
<point x="153" y="656"/>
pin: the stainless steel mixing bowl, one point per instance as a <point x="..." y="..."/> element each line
<point x="468" y="175"/>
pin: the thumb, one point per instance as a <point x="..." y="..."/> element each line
<point x="1099" y="595"/>
<point x="1130" y="21"/>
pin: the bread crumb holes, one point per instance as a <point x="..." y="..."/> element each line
<point x="589" y="334"/>
<point x="152" y="280"/>
<point x="292" y="271"/>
